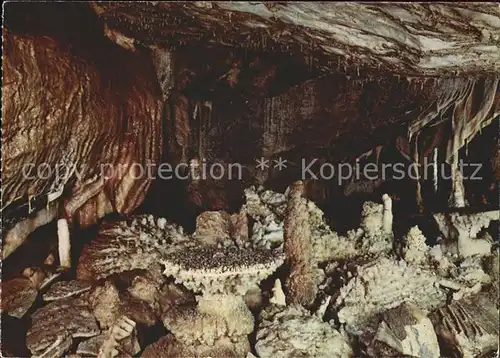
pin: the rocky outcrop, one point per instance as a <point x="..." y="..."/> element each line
<point x="74" y="121"/>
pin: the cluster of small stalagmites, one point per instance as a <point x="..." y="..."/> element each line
<point x="204" y="287"/>
<point x="137" y="243"/>
<point x="373" y="237"/>
<point x="378" y="275"/>
<point x="424" y="277"/>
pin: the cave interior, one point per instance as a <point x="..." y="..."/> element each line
<point x="265" y="116"/>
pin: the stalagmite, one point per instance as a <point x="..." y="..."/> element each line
<point x="278" y="297"/>
<point x="64" y="243"/>
<point x="301" y="283"/>
<point x="415" y="249"/>
<point x="388" y="217"/>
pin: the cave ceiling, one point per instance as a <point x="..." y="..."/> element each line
<point x="424" y="39"/>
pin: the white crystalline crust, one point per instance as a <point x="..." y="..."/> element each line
<point x="221" y="270"/>
<point x="64" y="243"/>
<point x="470" y="272"/>
<point x="327" y="244"/>
<point x="278" y="297"/>
<point x="375" y="240"/>
<point x="415" y="249"/>
<point x="127" y="245"/>
<point x="385" y="284"/>
<point x="64" y="289"/>
<point x="463" y="228"/>
<point x="216" y="317"/>
<point x="293" y="332"/>
<point x="121" y="329"/>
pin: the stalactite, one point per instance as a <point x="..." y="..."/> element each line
<point x="435" y="169"/>
<point x="457" y="197"/>
<point x="418" y="187"/>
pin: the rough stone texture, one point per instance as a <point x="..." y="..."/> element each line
<point x="327" y="244"/>
<point x="224" y="270"/>
<point x="127" y="346"/>
<point x="293" y="332"/>
<point x="408" y="331"/>
<point x="136" y="243"/>
<point x="415" y="249"/>
<point x="302" y="282"/>
<point x="491" y="267"/>
<point x="384" y="284"/>
<point x="462" y="229"/>
<point x="168" y="346"/>
<point x="418" y="39"/>
<point x="18" y="295"/>
<point x="216" y="316"/>
<point x="469" y="325"/>
<point x="105" y="303"/>
<point x="222" y="228"/>
<point x="139" y="311"/>
<point x="65" y="289"/>
<point x="267" y="209"/>
<point x="213" y="227"/>
<point x="144" y="288"/>
<point x="55" y="325"/>
<point x="173" y="295"/>
<point x="83" y="98"/>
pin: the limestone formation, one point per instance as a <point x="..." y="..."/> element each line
<point x="384" y="284"/>
<point x="136" y="243"/>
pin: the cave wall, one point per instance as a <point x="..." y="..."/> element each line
<point x="83" y="118"/>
